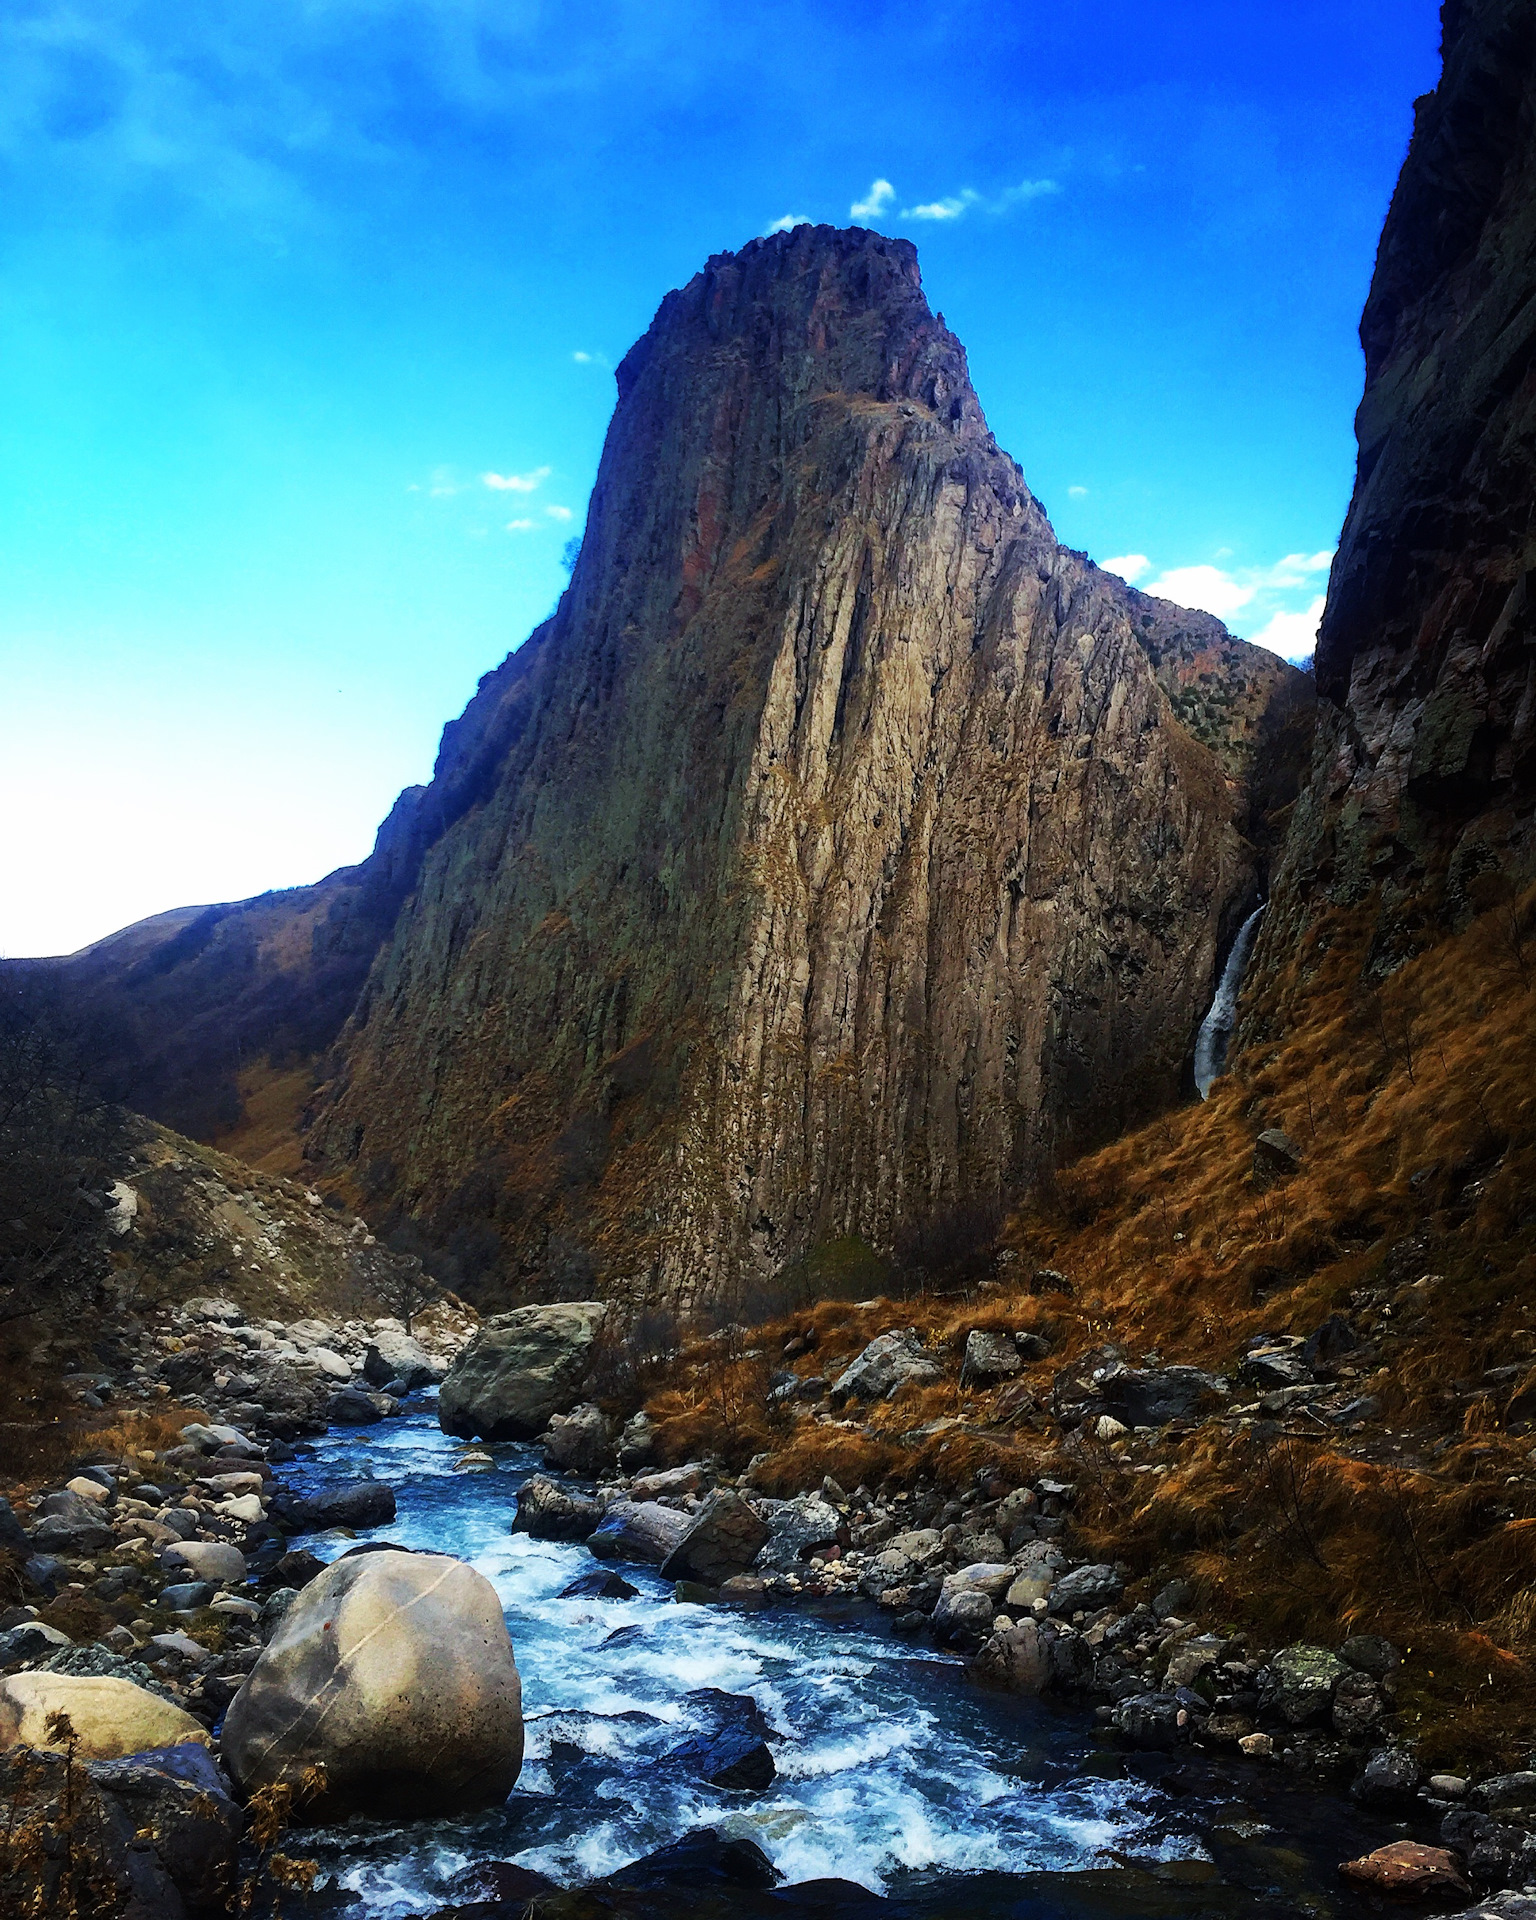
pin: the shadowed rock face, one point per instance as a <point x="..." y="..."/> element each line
<point x="847" y="857"/>
<point x="1425" y="771"/>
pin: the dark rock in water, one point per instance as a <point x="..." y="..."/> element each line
<point x="500" y="1881"/>
<point x="638" y="1530"/>
<point x="732" y="1758"/>
<point x="549" y="1511"/>
<point x="580" y="1441"/>
<point x="298" y="1568"/>
<point x="366" y="1503"/>
<point x="352" y="1408"/>
<point x="599" y="1586"/>
<point x="704" y="1858"/>
<point x="731" y="1710"/>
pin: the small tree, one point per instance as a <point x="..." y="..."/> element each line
<point x="398" y="1281"/>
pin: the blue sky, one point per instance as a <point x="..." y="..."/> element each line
<point x="281" y="282"/>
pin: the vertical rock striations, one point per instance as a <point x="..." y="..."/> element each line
<point x="1422" y="793"/>
<point x="847" y="856"/>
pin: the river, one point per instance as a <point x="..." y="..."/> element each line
<point x="893" y="1772"/>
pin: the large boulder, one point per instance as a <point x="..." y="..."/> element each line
<point x="799" y="1528"/>
<point x="1299" y="1683"/>
<point x="394" y="1672"/>
<point x="549" y="1511"/>
<point x="1407" y="1870"/>
<point x="1016" y="1660"/>
<point x="395" y="1355"/>
<point x="520" y="1370"/>
<point x="724" y="1540"/>
<point x="638" y="1530"/>
<point x="580" y="1441"/>
<point x="889" y="1363"/>
<point x="215" y="1561"/>
<point x="70" y="1525"/>
<point x="989" y="1356"/>
<point x="110" y="1717"/>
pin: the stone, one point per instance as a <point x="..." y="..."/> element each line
<point x="799" y="1528"/>
<point x="110" y="1716"/>
<point x="968" y="1600"/>
<point x="13" y="1537"/>
<point x="395" y="1672"/>
<point x="1152" y="1721"/>
<point x="1275" y="1156"/>
<point x="599" y="1586"/>
<point x="671" y="1483"/>
<point x="352" y="1408"/>
<point x="746" y="1591"/>
<point x="1500" y="1906"/>
<point x="1256" y="1746"/>
<point x="91" y="1490"/>
<point x="213" y="1560"/>
<point x="1193" y="1661"/>
<point x="733" y="1757"/>
<point x="1389" y="1779"/>
<point x="638" y="1530"/>
<point x="1330" y="1342"/>
<point x="1034" y="1583"/>
<point x="1301" y="1683"/>
<point x="579" y="1441"/>
<point x="703" y="1858"/>
<point x="71" y="1527"/>
<point x="1357" y="1706"/>
<point x="989" y="1357"/>
<point x="178" y="1796"/>
<point x="1016" y="1660"/>
<point x="394" y="1355"/>
<point x="1085" y="1590"/>
<point x="330" y="1363"/>
<point x="298" y="1567"/>
<point x="549" y="1511"/>
<point x="1447" y="1786"/>
<point x="519" y="1370"/>
<point x="185" y="1596"/>
<point x="889" y="1363"/>
<point x="1369" y="1653"/>
<point x="637" y="1442"/>
<point x="1107" y="1427"/>
<point x="724" y="1539"/>
<point x="1505" y="1793"/>
<point x="363" y="1503"/>
<point x="1408" y="1870"/>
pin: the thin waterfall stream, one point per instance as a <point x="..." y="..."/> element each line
<point x="893" y="1773"/>
<point x="1216" y="1028"/>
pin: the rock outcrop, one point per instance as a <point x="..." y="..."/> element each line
<point x="110" y="1717"/>
<point x="395" y="1673"/>
<point x="842" y="848"/>
<point x="1422" y="800"/>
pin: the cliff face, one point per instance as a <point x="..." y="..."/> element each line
<point x="847" y="856"/>
<point x="1421" y="798"/>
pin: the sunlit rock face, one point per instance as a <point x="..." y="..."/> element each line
<point x="1424" y="783"/>
<point x="847" y="856"/>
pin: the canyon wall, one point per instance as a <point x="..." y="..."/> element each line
<point x="850" y="860"/>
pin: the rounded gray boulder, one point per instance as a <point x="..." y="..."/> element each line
<point x="520" y="1370"/>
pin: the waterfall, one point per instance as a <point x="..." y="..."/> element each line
<point x="1216" y="1027"/>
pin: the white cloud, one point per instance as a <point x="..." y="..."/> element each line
<point x="948" y="209"/>
<point x="881" y="194"/>
<point x="1129" y="566"/>
<point x="582" y="359"/>
<point x="785" y="221"/>
<point x="559" y="513"/>
<point x="1077" y="493"/>
<point x="1296" y="569"/>
<point x="1205" y="587"/>
<point x="516" y="482"/>
<point x="1292" y="635"/>
<point x="1028" y="190"/>
<point x="521" y="526"/>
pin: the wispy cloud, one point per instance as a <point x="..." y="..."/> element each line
<point x="1077" y="493"/>
<point x="785" y="221"/>
<point x="954" y="205"/>
<point x="881" y="195"/>
<point x="559" y="513"/>
<point x="516" y="482"/>
<point x="521" y="526"/>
